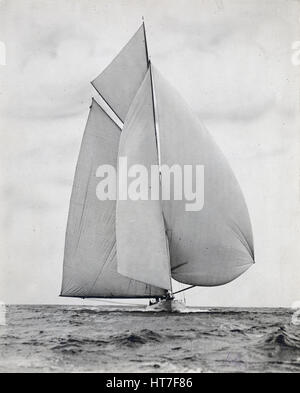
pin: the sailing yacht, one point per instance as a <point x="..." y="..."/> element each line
<point x="135" y="248"/>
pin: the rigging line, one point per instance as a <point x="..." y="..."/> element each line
<point x="156" y="130"/>
<point x="153" y="96"/>
<point x="154" y="118"/>
<point x="110" y="107"/>
<point x="146" y="46"/>
<point x="185" y="289"/>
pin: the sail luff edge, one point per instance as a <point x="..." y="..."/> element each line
<point x="154" y="116"/>
<point x="146" y="46"/>
<point x="159" y="159"/>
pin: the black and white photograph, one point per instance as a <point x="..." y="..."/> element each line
<point x="150" y="189"/>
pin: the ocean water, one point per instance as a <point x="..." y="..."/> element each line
<point x="126" y="339"/>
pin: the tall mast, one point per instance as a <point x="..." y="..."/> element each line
<point x="146" y="46"/>
<point x="156" y="127"/>
<point x="153" y="100"/>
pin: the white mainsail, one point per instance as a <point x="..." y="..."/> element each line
<point x="90" y="263"/>
<point x="212" y="246"/>
<point x="142" y="247"/>
<point x="121" y="79"/>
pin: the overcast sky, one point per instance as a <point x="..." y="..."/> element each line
<point x="231" y="60"/>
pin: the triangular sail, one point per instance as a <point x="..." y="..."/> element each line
<point x="90" y="263"/>
<point x="121" y="79"/>
<point x="212" y="246"/>
<point x="142" y="246"/>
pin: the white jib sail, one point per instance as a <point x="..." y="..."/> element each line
<point x="142" y="246"/>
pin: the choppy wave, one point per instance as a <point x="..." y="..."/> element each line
<point x="143" y="336"/>
<point x="284" y="337"/>
<point x="121" y="338"/>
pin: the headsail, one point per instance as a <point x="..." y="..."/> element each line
<point x="90" y="264"/>
<point x="142" y="246"/>
<point x="212" y="246"/>
<point x="120" y="81"/>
